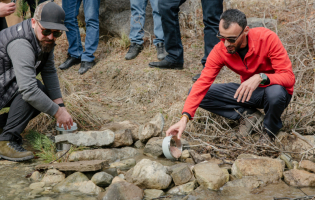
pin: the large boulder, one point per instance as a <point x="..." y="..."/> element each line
<point x="210" y="175"/>
<point x="123" y="191"/>
<point x="299" y="178"/>
<point x="259" y="167"/>
<point x="150" y="175"/>
<point x="87" y="138"/>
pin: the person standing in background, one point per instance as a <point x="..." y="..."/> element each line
<point x="75" y="50"/>
<point x="212" y="9"/>
<point x="7" y="9"/>
<point x="137" y="21"/>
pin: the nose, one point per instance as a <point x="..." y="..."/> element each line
<point x="226" y="43"/>
<point x="51" y="36"/>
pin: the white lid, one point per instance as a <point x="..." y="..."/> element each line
<point x="73" y="128"/>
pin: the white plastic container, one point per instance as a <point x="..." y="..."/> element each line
<point x="169" y="143"/>
<point x="63" y="146"/>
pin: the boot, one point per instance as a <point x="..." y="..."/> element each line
<point x="249" y="122"/>
<point x="69" y="62"/>
<point x="133" y="51"/>
<point x="11" y="150"/>
<point x="164" y="64"/>
<point x="85" y="66"/>
<point x="161" y="53"/>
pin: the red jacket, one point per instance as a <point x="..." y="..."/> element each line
<point x="266" y="54"/>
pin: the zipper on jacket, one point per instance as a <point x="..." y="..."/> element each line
<point x="243" y="61"/>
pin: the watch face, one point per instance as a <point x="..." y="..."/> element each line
<point x="264" y="78"/>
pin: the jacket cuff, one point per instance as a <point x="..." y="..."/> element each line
<point x="186" y="113"/>
<point x="53" y="109"/>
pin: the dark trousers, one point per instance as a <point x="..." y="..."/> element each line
<point x="20" y="113"/>
<point x="273" y="99"/>
<point x="212" y="9"/>
<point x="32" y="5"/>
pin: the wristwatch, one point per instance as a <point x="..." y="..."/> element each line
<point x="264" y="78"/>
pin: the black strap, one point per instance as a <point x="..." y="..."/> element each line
<point x="61" y="105"/>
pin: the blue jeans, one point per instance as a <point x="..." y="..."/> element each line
<point x="137" y="21"/>
<point x="212" y="9"/>
<point x="91" y="13"/>
<point x="273" y="99"/>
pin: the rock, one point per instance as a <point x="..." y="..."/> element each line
<point x="124" y="165"/>
<point x="7" y="162"/>
<point x="111" y="171"/>
<point x="158" y="122"/>
<point x="102" y="179"/>
<point x="123" y="138"/>
<point x="71" y="183"/>
<point x="139" y="144"/>
<point x="227" y="175"/>
<point x="182" y="189"/>
<point x="147" y="131"/>
<point x="196" y="157"/>
<point x="152" y="193"/>
<point x="117" y="179"/>
<point x="299" y="178"/>
<point x="153" y="148"/>
<point x="122" y="126"/>
<point x="294" y="144"/>
<point x="36" y="176"/>
<point x="190" y="161"/>
<point x="88" y="187"/>
<point x="209" y="175"/>
<point x="80" y="166"/>
<point x="201" y="194"/>
<point x="254" y="22"/>
<point x="109" y="155"/>
<point x="53" y="176"/>
<point x="35" y="186"/>
<point x="185" y="154"/>
<point x="307" y="165"/>
<point x="206" y="156"/>
<point x="87" y="138"/>
<point x="149" y="174"/>
<point x="260" y="167"/>
<point x="121" y="176"/>
<point x="37" y="191"/>
<point x="181" y="175"/>
<point x="122" y="191"/>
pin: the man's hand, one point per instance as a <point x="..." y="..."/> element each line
<point x="178" y="128"/>
<point x="6" y="9"/>
<point x="64" y="118"/>
<point x="246" y="89"/>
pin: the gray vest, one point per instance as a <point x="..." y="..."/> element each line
<point x="8" y="85"/>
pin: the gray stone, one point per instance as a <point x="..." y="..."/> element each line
<point x="117" y="179"/>
<point x="254" y="22"/>
<point x="299" y="178"/>
<point x="158" y="122"/>
<point x="147" y="131"/>
<point x="124" y="165"/>
<point x="87" y="138"/>
<point x="307" y="165"/>
<point x="71" y="183"/>
<point x="123" y="138"/>
<point x="36" y="176"/>
<point x="111" y="171"/>
<point x="201" y="194"/>
<point x="209" y="175"/>
<point x="182" y="189"/>
<point x="35" y="186"/>
<point x="149" y="174"/>
<point x="116" y="126"/>
<point x="153" y="147"/>
<point x="109" y="155"/>
<point x="121" y="176"/>
<point x="102" y="179"/>
<point x="80" y="166"/>
<point x="259" y="167"/>
<point x="123" y="191"/>
<point x="88" y="187"/>
<point x="181" y="175"/>
<point x="53" y="176"/>
<point x="196" y="157"/>
<point x="152" y="193"/>
<point x="139" y="144"/>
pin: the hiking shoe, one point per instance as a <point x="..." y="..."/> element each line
<point x="85" y="66"/>
<point x="164" y="64"/>
<point x="195" y="78"/>
<point x="248" y="122"/>
<point x="11" y="150"/>
<point x="161" y="53"/>
<point x="265" y="139"/>
<point x="133" y="51"/>
<point x="69" y="62"/>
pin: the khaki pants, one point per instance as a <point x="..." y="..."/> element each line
<point x="13" y="18"/>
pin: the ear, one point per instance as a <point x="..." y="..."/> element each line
<point x="33" y="23"/>
<point x="246" y="29"/>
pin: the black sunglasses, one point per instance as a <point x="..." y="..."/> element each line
<point x="230" y="40"/>
<point x="47" y="32"/>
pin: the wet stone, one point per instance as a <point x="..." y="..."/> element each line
<point x="80" y="166"/>
<point x="123" y="165"/>
<point x="102" y="179"/>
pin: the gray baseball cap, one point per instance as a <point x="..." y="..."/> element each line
<point x="50" y="16"/>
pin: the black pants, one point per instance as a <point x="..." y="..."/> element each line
<point x="273" y="99"/>
<point x="212" y="10"/>
<point x="20" y="113"/>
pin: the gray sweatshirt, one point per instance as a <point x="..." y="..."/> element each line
<point x="22" y="55"/>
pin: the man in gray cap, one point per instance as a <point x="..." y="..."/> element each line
<point x="27" y="49"/>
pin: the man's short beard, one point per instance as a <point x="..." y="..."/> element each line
<point x="47" y="47"/>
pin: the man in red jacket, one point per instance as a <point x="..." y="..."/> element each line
<point x="265" y="69"/>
